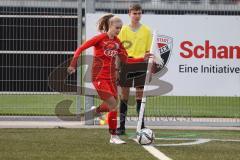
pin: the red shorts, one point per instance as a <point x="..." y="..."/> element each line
<point x="105" y="88"/>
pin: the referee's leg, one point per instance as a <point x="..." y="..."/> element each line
<point x="123" y="109"/>
<point x="125" y="84"/>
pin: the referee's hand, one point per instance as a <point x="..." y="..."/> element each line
<point x="71" y="70"/>
<point x="147" y="56"/>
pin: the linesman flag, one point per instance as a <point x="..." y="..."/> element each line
<point x="155" y="64"/>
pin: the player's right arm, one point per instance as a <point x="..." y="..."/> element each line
<point x="91" y="42"/>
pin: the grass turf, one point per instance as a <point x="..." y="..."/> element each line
<point x="213" y="150"/>
<point x="208" y="151"/>
<point x="156" y="106"/>
<point x="92" y="144"/>
<point x="65" y="144"/>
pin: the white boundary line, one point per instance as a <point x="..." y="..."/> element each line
<point x="196" y="141"/>
<point x="226" y="140"/>
<point x="155" y="152"/>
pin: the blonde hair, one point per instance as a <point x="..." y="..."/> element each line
<point x="106" y="20"/>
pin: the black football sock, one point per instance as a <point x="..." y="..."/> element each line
<point x="123" y="113"/>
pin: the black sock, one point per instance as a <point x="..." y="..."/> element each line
<point x="138" y="111"/>
<point x="123" y="113"/>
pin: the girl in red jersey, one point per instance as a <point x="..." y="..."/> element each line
<point x="106" y="48"/>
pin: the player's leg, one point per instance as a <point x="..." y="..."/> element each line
<point x="102" y="108"/>
<point x="104" y="91"/>
<point x="97" y="111"/>
<point x="107" y="91"/>
<point x="112" y="115"/>
<point x="112" y="120"/>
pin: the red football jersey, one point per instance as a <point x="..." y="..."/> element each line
<point x="105" y="52"/>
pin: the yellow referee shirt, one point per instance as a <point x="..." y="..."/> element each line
<point x="138" y="42"/>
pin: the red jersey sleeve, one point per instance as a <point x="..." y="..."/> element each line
<point x="124" y="56"/>
<point x="91" y="42"/>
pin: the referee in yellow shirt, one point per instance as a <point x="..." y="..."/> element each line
<point x="137" y="39"/>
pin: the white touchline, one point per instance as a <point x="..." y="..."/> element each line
<point x="195" y="141"/>
<point x="198" y="141"/>
<point x="155" y="152"/>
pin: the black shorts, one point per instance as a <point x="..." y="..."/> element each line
<point x="132" y="75"/>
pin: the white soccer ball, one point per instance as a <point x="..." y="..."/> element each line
<point x="145" y="136"/>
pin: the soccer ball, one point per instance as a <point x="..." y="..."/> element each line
<point x="145" y="136"/>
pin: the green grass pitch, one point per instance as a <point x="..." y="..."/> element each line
<point x="92" y="144"/>
<point x="156" y="106"/>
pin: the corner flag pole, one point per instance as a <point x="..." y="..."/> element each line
<point x="147" y="81"/>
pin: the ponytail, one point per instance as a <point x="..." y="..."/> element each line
<point x="103" y="22"/>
